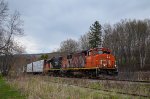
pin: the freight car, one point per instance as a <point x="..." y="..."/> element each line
<point x="35" y="67"/>
<point x="91" y="62"/>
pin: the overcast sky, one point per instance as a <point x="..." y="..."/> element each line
<point x="48" y="22"/>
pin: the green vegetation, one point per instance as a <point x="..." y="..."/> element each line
<point x="95" y="35"/>
<point x="44" y="56"/>
<point x="8" y="92"/>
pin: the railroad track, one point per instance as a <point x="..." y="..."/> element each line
<point x="105" y="78"/>
<point x="138" y="81"/>
<point x="121" y="80"/>
<point x="110" y="79"/>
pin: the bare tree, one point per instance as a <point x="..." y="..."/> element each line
<point x="10" y="26"/>
<point x="69" y="46"/>
<point x="84" y="42"/>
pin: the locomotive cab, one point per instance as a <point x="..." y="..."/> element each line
<point x="101" y="58"/>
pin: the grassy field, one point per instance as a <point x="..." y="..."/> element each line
<point x="45" y="87"/>
<point x="142" y="89"/>
<point x="8" y="92"/>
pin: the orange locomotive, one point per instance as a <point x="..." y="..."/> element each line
<point x="91" y="62"/>
<point x="100" y="58"/>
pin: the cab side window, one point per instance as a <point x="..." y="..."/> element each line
<point x="105" y="52"/>
<point x="89" y="53"/>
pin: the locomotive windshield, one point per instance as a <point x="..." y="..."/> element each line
<point x="103" y="52"/>
<point x="100" y="52"/>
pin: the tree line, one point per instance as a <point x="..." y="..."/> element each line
<point x="129" y="41"/>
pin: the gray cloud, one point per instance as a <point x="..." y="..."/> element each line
<point x="48" y="22"/>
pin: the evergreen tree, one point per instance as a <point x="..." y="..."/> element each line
<point x="95" y="35"/>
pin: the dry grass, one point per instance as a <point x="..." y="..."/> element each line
<point x="124" y="87"/>
<point x="113" y="86"/>
<point x="45" y="87"/>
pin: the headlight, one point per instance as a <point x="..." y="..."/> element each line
<point x="104" y="65"/>
<point x="115" y="64"/>
<point x="109" y="62"/>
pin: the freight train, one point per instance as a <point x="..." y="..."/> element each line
<point x="91" y="62"/>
